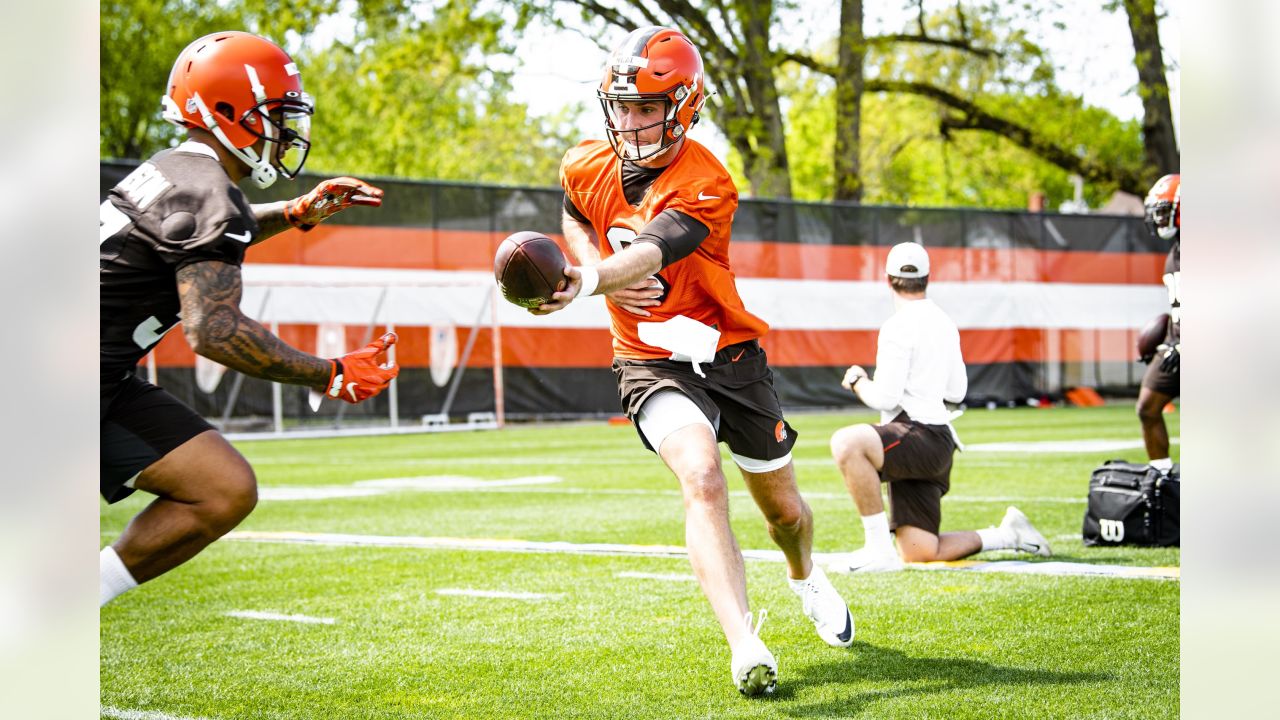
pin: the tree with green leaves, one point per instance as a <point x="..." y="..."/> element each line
<point x="746" y="65"/>
<point x="139" y="41"/>
<point x="410" y="92"/>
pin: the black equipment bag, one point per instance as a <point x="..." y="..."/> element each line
<point x="1132" y="504"/>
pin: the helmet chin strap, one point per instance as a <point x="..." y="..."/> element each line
<point x="637" y="152"/>
<point x="261" y="171"/>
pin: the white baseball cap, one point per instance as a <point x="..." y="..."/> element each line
<point x="907" y="254"/>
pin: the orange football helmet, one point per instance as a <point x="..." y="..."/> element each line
<point x="1164" y="207"/>
<point x="659" y="64"/>
<point x="243" y="88"/>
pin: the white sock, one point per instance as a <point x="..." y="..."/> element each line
<point x="994" y="538"/>
<point x="875" y="532"/>
<point x="1163" y="464"/>
<point x="113" y="576"/>
<point x="798" y="585"/>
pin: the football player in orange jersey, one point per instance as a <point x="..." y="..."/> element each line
<point x="649" y="214"/>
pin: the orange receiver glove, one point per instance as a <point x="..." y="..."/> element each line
<point x="359" y="375"/>
<point x="329" y="197"/>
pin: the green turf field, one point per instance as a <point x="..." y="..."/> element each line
<point x="591" y="639"/>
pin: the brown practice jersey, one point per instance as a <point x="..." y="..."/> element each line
<point x="700" y="286"/>
<point x="178" y="208"/>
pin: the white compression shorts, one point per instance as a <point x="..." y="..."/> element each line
<point x="667" y="411"/>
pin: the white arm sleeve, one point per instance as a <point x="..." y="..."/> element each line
<point x="893" y="360"/>
<point x="957" y="380"/>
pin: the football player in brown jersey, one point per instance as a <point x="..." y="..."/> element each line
<point x="172" y="237"/>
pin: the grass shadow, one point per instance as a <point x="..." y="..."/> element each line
<point x="896" y="674"/>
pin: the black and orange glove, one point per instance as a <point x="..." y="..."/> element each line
<point x="329" y="197"/>
<point x="360" y="375"/>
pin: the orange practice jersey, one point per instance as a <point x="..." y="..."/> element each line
<point x="701" y="286"/>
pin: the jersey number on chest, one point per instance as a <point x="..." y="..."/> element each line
<point x="620" y="238"/>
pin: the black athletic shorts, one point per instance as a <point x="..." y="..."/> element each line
<point x="1160" y="381"/>
<point x="917" y="468"/>
<point x="737" y="396"/>
<point x="140" y="424"/>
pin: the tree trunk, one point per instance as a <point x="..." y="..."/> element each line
<point x="1158" y="140"/>
<point x="849" y="86"/>
<point x="766" y="167"/>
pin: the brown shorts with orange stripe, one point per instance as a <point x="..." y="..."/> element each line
<point x="917" y="468"/>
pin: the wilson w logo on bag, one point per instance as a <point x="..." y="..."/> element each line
<point x="1132" y="504"/>
<point x="1111" y="530"/>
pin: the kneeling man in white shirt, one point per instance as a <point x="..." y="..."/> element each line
<point x="918" y="366"/>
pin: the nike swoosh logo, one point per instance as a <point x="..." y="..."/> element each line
<point x="739" y="355"/>
<point x="703" y="196"/>
<point x="246" y="237"/>
<point x="351" y="390"/>
<point x="847" y="635"/>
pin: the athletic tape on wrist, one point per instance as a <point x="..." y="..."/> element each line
<point x="590" y="280"/>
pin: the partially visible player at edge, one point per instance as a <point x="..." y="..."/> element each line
<point x="648" y="214"/>
<point x="1161" y="382"/>
<point x="173" y="235"/>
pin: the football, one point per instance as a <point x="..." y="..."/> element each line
<point x="1150" y="337"/>
<point x="529" y="267"/>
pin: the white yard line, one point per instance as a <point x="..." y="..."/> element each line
<point x="1024" y="567"/>
<point x="640" y="457"/>
<point x="668" y="577"/>
<point x="323" y="492"/>
<point x="258" y="615"/>
<point x="1059" y="446"/>
<point x="536" y="485"/>
<point x="673" y="551"/>
<point x="119" y="714"/>
<point x="467" y="592"/>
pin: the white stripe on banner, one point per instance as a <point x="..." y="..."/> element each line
<point x="487" y="544"/>
<point x="310" y="294"/>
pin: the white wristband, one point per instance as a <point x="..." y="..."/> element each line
<point x="590" y="280"/>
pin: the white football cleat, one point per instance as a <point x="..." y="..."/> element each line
<point x="755" y="672"/>
<point x="823" y="605"/>
<point x="1025" y="537"/>
<point x="867" y="560"/>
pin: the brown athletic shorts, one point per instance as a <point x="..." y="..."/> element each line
<point x="140" y="423"/>
<point x="1160" y="381"/>
<point x="737" y="396"/>
<point x="917" y="468"/>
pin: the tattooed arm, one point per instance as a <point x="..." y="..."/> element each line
<point x="271" y="220"/>
<point x="214" y="326"/>
<point x="305" y="212"/>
